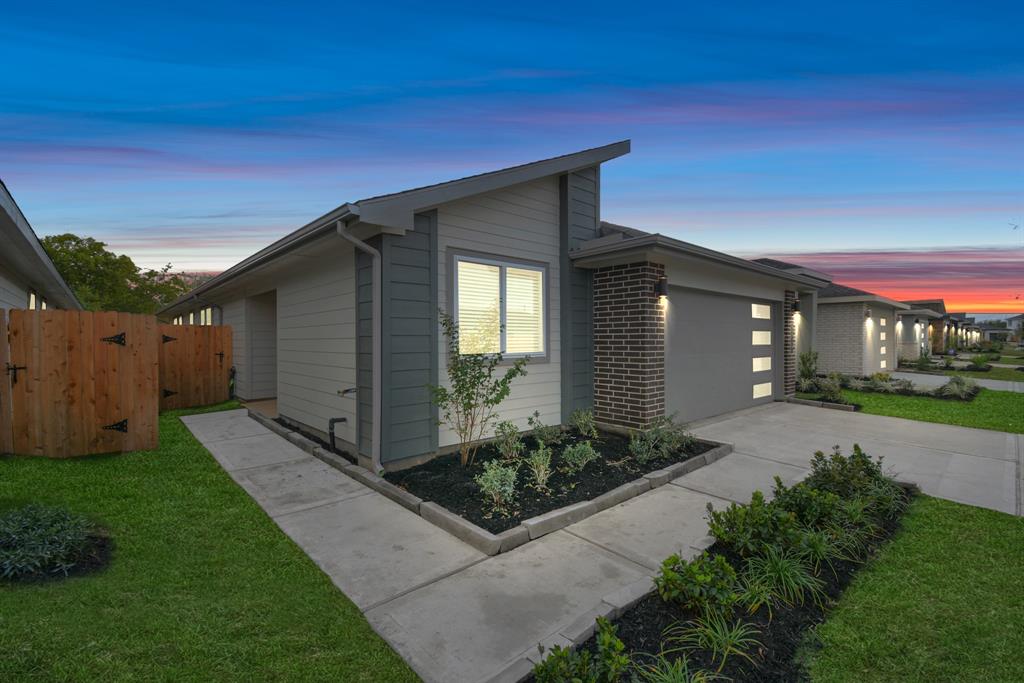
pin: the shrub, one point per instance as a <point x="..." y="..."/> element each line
<point x="882" y="386"/>
<point x="706" y="583"/>
<point x="808" y="365"/>
<point x="661" y="669"/>
<point x="845" y="476"/>
<point x="508" y="441"/>
<point x="857" y="384"/>
<point x="886" y="499"/>
<point x="577" y="456"/>
<point x="662" y="438"/>
<point x="498" y="484"/>
<point x="546" y="435"/>
<point x="810" y="506"/>
<point x="904" y="386"/>
<point x="786" y="574"/>
<point x="881" y="377"/>
<point x="38" y="541"/>
<point x="806" y="385"/>
<point x="754" y="596"/>
<point x="818" y="547"/>
<point x="959" y="388"/>
<point x="715" y="634"/>
<point x="468" y="404"/>
<point x="583" y="422"/>
<point x="979" y="363"/>
<point x="831" y="388"/>
<point x="947" y="363"/>
<point x="539" y="464"/>
<point x="923" y="362"/>
<point x="748" y="529"/>
<point x="565" y="665"/>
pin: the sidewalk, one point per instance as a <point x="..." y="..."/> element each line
<point x="927" y="381"/>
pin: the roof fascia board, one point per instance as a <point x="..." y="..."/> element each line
<point x="863" y="298"/>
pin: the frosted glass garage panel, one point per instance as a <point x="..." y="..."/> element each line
<point x="479" y="312"/>
<point x="761" y="337"/>
<point x="524" y="310"/>
<point x="762" y="364"/>
<point x="761" y="311"/>
<point x="763" y="389"/>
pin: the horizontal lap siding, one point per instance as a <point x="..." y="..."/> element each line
<point x="13" y="293"/>
<point x="581" y="222"/>
<point x="233" y="315"/>
<point x="316" y="337"/>
<point x="519" y="222"/>
<point x="262" y="320"/>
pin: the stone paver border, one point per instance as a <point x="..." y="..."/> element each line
<point x="822" y="404"/>
<point x="529" y="529"/>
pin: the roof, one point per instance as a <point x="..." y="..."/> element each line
<point x="619" y="239"/>
<point x="835" y="293"/>
<point x="794" y="268"/>
<point x="396" y="211"/>
<point x="920" y="313"/>
<point x="24" y="255"/>
<point x="934" y="304"/>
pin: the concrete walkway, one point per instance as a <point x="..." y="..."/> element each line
<point x="929" y="381"/>
<point x="456" y="615"/>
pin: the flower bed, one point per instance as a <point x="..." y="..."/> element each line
<point x="742" y="610"/>
<point x="444" y="481"/>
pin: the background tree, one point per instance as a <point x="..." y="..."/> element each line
<point x="105" y="281"/>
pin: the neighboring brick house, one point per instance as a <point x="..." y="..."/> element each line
<point x="915" y="330"/>
<point x="858" y="332"/>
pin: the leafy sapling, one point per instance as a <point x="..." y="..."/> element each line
<point x="577" y="456"/>
<point x="539" y="465"/>
<point x="584" y="424"/>
<point x="498" y="484"/>
<point x="508" y="441"/>
<point x="546" y="435"/>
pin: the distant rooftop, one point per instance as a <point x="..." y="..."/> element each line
<point x="833" y="290"/>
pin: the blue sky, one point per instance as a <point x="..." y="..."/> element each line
<point x="197" y="133"/>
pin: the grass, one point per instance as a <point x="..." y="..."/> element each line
<point x="1008" y="374"/>
<point x="202" y="586"/>
<point x="942" y="602"/>
<point x="1002" y="411"/>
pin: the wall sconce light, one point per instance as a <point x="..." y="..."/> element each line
<point x="661" y="286"/>
<point x="796" y="305"/>
<point x="867" y="314"/>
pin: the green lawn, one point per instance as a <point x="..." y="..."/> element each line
<point x="1008" y="374"/>
<point x="203" y="585"/>
<point x="942" y="602"/>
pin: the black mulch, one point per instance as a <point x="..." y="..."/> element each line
<point x="782" y="637"/>
<point x="444" y="481"/>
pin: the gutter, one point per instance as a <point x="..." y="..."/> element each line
<point x="375" y="344"/>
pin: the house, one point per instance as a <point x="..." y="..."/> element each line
<point x="1016" y="325"/>
<point x="995" y="330"/>
<point x="28" y="278"/>
<point x="914" y="331"/>
<point x="857" y="331"/>
<point x="939" y="329"/>
<point x="338" y="321"/>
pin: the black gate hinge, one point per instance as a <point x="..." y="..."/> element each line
<point x="116" y="339"/>
<point x="168" y="393"/>
<point x="12" y="370"/>
<point x="121" y="426"/>
<point x="168" y="338"/>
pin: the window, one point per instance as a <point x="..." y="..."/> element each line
<point x="882" y="336"/>
<point x="762" y="364"/>
<point x="206" y="316"/>
<point x="176" y="321"/>
<point x="881" y="321"/>
<point x="761" y="311"/>
<point x="191" y="318"/>
<point x="882" y="365"/>
<point x="761" y="338"/>
<point x="500" y="307"/>
<point x="762" y="390"/>
<point x="31" y="300"/>
<point x="42" y="305"/>
<point x="882" y="351"/>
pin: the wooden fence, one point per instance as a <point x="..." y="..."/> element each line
<point x="79" y="383"/>
<point x="195" y="365"/>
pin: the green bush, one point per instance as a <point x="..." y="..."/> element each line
<point x="539" y="465"/>
<point x="831" y="388"/>
<point x="845" y="476"/>
<point x="812" y="507"/>
<point x="808" y="366"/>
<point x="546" y="435"/>
<point x="786" y="574"/>
<point x="959" y="388"/>
<point x="498" y="484"/>
<point x="979" y="363"/>
<point x="662" y="669"/>
<point x="806" y="385"/>
<point x="577" y="456"/>
<point x="584" y="424"/>
<point x="565" y="665"/>
<point x="707" y="582"/>
<point x="662" y="438"/>
<point x="923" y="362"/>
<point x="722" y="638"/>
<point x="748" y="529"/>
<point x="508" y="441"/>
<point x="38" y="541"/>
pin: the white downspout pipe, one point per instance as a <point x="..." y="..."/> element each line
<point x="377" y="308"/>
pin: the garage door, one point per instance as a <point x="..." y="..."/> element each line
<point x="721" y="353"/>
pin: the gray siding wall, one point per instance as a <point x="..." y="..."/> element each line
<point x="841" y="338"/>
<point x="805" y="323"/>
<point x="233" y="315"/>
<point x="518" y="222"/>
<point x="364" y="347"/>
<point x="262" y="330"/>
<point x="580" y="221"/>
<point x="13" y="292"/>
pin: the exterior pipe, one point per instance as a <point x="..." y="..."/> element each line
<point x="375" y="344"/>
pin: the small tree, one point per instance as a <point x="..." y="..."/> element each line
<point x="808" y="364"/>
<point x="467" y="406"/>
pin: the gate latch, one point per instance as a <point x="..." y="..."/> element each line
<point x="220" y="355"/>
<point x="121" y="426"/>
<point x="12" y="370"/>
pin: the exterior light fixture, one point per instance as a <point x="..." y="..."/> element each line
<point x="661" y="286"/>
<point x="867" y="314"/>
<point x="796" y="305"/>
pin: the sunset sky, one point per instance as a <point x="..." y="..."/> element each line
<point x="881" y="143"/>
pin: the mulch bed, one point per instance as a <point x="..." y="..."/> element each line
<point x="445" y="482"/>
<point x="783" y="637"/>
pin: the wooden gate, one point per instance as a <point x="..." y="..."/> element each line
<point x="195" y="365"/>
<point x="81" y="382"/>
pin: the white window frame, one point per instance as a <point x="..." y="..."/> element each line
<point x="503" y="265"/>
<point x="33" y="299"/>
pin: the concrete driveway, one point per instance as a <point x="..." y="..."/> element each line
<point x="974" y="466"/>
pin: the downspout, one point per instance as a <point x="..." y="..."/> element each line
<point x="375" y="344"/>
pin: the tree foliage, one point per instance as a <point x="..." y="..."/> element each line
<point x="105" y="281"/>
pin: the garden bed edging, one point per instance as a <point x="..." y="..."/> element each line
<point x="822" y="404"/>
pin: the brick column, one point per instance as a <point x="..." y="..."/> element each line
<point x="789" y="345"/>
<point x="629" y="345"/>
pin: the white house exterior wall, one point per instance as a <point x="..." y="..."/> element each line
<point x="841" y="338"/>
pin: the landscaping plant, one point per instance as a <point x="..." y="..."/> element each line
<point x="831" y="388"/>
<point x="958" y="388"/>
<point x="844" y="475"/>
<point x="747" y="529"/>
<point x="508" y="441"/>
<point x="715" y="633"/>
<point x="662" y="438"/>
<point x="583" y="422"/>
<point x="546" y="435"/>
<point x="808" y="365"/>
<point x="705" y="583"/>
<point x="923" y="362"/>
<point x="786" y="574"/>
<point x="661" y="669"/>
<point x="577" y="456"/>
<point x="979" y="363"/>
<point x="565" y="665"/>
<point x="37" y="541"/>
<point x="468" y="404"/>
<point x="539" y="464"/>
<point x="498" y="484"/>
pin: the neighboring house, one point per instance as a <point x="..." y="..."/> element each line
<point x="339" y="319"/>
<point x="28" y="278"/>
<point x="913" y="332"/>
<point x="995" y="331"/>
<point x="1016" y="325"/>
<point x="857" y="331"/>
<point x="939" y="329"/>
